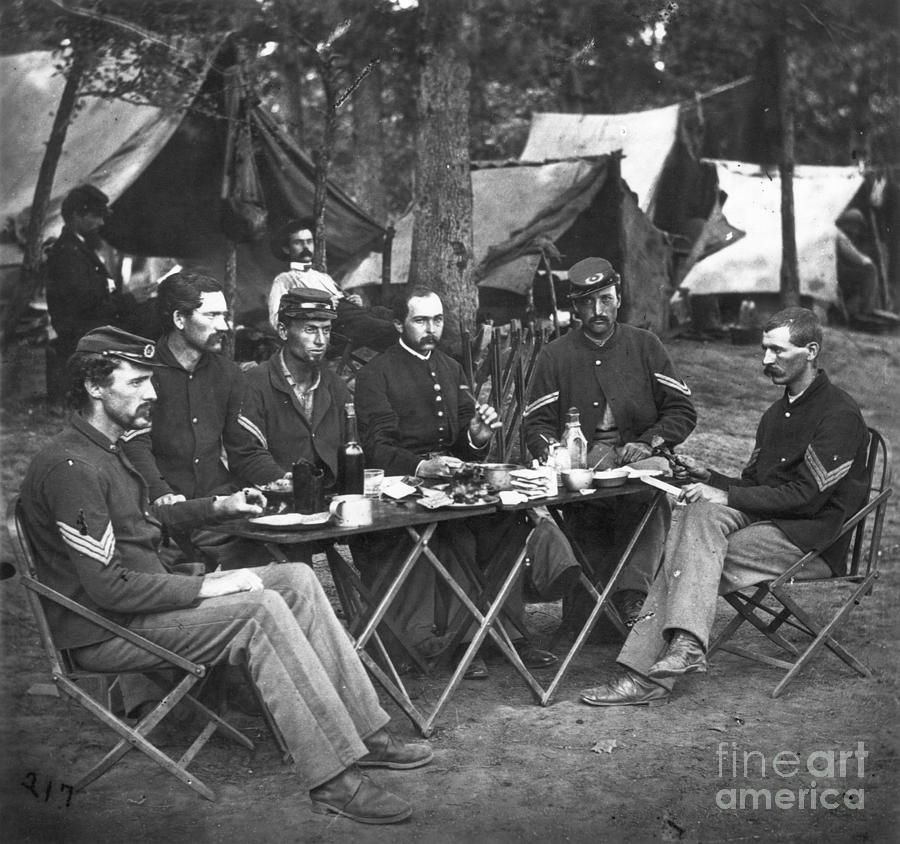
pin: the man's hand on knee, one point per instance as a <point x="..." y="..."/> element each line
<point x="221" y="583"/>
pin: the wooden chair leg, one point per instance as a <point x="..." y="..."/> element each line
<point x="745" y="608"/>
<point x="823" y="638"/>
<point x="134" y="737"/>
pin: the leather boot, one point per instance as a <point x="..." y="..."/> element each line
<point x="353" y="795"/>
<point x="683" y="656"/>
<point x="385" y="751"/>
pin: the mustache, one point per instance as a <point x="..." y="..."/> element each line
<point x="771" y="369"/>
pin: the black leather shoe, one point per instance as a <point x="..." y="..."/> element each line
<point x="628" y="604"/>
<point x="683" y="656"/>
<point x="533" y="657"/>
<point x="628" y="690"/>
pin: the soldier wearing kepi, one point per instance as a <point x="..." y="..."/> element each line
<point x="294" y="403"/>
<point x="631" y="400"/>
<point x="97" y="539"/>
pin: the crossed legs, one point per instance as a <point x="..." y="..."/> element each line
<point x="711" y="550"/>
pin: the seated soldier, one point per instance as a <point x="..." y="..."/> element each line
<point x="806" y="475"/>
<point x="199" y="395"/>
<point x="293" y="403"/>
<point x="417" y="416"/>
<point x="362" y="326"/>
<point x="631" y="401"/>
<point x="97" y="536"/>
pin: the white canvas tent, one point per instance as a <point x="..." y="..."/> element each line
<point x="579" y="207"/>
<point x="164" y="171"/>
<point x="646" y="138"/>
<point x="751" y="265"/>
<point x="108" y="144"/>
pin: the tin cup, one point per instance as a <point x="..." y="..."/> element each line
<point x="351" y="510"/>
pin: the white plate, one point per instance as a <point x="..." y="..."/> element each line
<point x="291" y="520"/>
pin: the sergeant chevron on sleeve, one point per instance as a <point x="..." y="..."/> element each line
<point x="806" y="475"/>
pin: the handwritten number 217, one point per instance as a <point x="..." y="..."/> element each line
<point x="31" y="784"/>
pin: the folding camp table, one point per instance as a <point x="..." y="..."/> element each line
<point x="367" y="607"/>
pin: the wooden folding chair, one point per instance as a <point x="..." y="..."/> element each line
<point x="69" y="679"/>
<point x="785" y="612"/>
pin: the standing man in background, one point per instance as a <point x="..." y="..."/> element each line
<point x="81" y="291"/>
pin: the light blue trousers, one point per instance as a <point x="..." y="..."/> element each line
<point x="710" y="550"/>
<point x="300" y="657"/>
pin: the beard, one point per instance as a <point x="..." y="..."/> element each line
<point x="139" y="418"/>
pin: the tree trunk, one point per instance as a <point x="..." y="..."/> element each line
<point x="323" y="166"/>
<point x="368" y="145"/>
<point x="442" y="251"/>
<point x="790" y="269"/>
<point x="30" y="274"/>
<point x="292" y="95"/>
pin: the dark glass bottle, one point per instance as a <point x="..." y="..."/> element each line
<point x="351" y="461"/>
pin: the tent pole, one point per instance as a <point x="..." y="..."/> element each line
<point x="386" y="249"/>
<point x="230" y="291"/>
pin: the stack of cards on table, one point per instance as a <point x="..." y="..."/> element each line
<point x="534" y="483"/>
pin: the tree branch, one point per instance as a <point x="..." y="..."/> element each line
<point x="114" y="20"/>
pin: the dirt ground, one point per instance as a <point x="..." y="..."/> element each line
<point x="506" y="769"/>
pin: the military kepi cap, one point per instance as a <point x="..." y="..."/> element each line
<point x="306" y="303"/>
<point x="589" y="275"/>
<point x="112" y="342"/>
<point x="86" y="199"/>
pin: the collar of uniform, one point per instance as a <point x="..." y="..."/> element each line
<point x="413" y="352"/>
<point x="165" y="354"/>
<point x="301" y="267"/>
<point x="818" y="383"/>
<point x="587" y="343"/>
<point x="80" y="424"/>
<point x="289" y="379"/>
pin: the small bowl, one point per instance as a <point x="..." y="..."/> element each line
<point x="610" y="477"/>
<point x="576" y="479"/>
<point x="497" y="474"/>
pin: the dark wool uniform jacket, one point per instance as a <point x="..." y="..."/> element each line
<point x="807" y="472"/>
<point x="78" y="296"/>
<point x="631" y="371"/>
<point x="272" y="414"/>
<point x="408" y="407"/>
<point x="96" y="536"/>
<point x="195" y="416"/>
